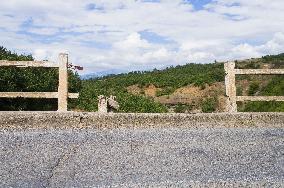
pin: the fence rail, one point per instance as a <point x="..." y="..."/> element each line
<point x="259" y="71"/>
<point x="62" y="95"/>
<point x="4" y="63"/>
<point x="47" y="95"/>
<point x="230" y="82"/>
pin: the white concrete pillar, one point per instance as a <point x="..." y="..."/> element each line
<point x="102" y="104"/>
<point x="63" y="83"/>
<point x="230" y="83"/>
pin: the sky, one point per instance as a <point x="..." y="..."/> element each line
<point x="126" y="35"/>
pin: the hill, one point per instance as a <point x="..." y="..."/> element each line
<point x="187" y="88"/>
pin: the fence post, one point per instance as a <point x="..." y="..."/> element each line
<point x="230" y="83"/>
<point x="63" y="83"/>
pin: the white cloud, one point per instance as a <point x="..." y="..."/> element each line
<point x="40" y="54"/>
<point x="43" y="31"/>
<point x="245" y="51"/>
<point x="109" y="37"/>
<point x="133" y="41"/>
<point x="274" y="46"/>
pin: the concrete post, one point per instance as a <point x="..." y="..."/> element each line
<point x="102" y="104"/>
<point x="230" y="83"/>
<point x="63" y="83"/>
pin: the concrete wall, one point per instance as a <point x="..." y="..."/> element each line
<point x="75" y="120"/>
<point x="141" y="150"/>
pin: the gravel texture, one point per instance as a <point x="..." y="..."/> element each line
<point x="244" y="155"/>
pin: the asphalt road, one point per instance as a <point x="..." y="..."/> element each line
<point x="140" y="158"/>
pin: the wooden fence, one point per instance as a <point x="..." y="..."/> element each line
<point x="230" y="80"/>
<point x="62" y="95"/>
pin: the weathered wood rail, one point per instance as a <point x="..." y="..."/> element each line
<point x="230" y="82"/>
<point x="62" y="95"/>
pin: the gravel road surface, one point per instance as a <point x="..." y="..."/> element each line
<point x="172" y="157"/>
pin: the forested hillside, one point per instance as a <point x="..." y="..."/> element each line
<point x="14" y="79"/>
<point x="187" y="88"/>
<point x="169" y="80"/>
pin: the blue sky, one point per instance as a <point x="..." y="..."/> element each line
<point x="198" y="4"/>
<point x="125" y="35"/>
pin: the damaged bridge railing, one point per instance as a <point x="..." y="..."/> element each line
<point x="62" y="95"/>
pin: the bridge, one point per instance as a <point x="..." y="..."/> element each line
<point x="76" y="149"/>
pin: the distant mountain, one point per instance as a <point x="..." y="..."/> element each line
<point x="100" y="74"/>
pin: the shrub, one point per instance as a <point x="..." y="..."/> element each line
<point x="182" y="108"/>
<point x="253" y="88"/>
<point x="239" y="91"/>
<point x="165" y="91"/>
<point x="209" y="105"/>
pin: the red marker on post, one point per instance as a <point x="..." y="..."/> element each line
<point x="74" y="67"/>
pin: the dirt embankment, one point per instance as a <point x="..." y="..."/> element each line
<point x="191" y="95"/>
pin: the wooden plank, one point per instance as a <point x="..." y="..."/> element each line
<point x="63" y="83"/>
<point x="47" y="95"/>
<point x="260" y="98"/>
<point x="259" y="71"/>
<point x="28" y="63"/>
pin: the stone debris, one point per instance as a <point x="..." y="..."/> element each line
<point x="106" y="104"/>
